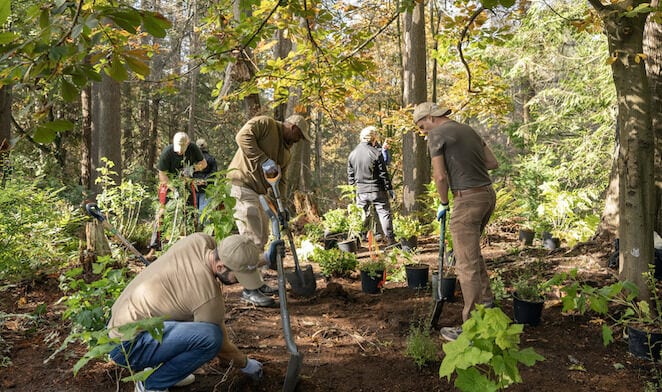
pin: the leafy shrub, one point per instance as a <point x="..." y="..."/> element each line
<point x="313" y="231"/>
<point x="219" y="212"/>
<point x="88" y="305"/>
<point x="334" y="262"/>
<point x="486" y="354"/>
<point x="405" y="227"/>
<point x="335" y="221"/>
<point x="121" y="203"/>
<point x="421" y="347"/>
<point x="37" y="229"/>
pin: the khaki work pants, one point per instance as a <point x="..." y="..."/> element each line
<point x="471" y="212"/>
<point x="251" y="220"/>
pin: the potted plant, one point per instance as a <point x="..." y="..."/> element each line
<point x="335" y="226"/>
<point x="373" y="274"/>
<point x="354" y="218"/>
<point x="415" y="271"/>
<point x="529" y="298"/>
<point x="641" y="320"/>
<point x="406" y="229"/>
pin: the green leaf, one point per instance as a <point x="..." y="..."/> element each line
<point x="5" y="11"/>
<point x="117" y="70"/>
<point x="138" y="66"/>
<point x="69" y="91"/>
<point x="44" y="19"/>
<point x="7" y="37"/>
<point x="472" y="380"/>
<point x="127" y="19"/>
<point x="59" y="125"/>
<point x="155" y="24"/>
<point x="95" y="352"/>
<point x="527" y="356"/>
<point x="43" y="135"/>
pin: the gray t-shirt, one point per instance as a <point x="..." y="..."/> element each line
<point x="464" y="155"/>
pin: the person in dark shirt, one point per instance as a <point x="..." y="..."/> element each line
<point x="366" y="169"/>
<point x="202" y="175"/>
<point x="460" y="164"/>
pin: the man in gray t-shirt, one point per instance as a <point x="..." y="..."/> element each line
<point x="460" y="163"/>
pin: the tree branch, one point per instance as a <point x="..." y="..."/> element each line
<point x="264" y="23"/>
<point x="459" y="47"/>
<point x="372" y="37"/>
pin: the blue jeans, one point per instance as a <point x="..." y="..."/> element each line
<point x="185" y="347"/>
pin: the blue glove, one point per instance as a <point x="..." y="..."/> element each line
<point x="253" y="369"/>
<point x="442" y="210"/>
<point x="391" y="194"/>
<point x="271" y="254"/>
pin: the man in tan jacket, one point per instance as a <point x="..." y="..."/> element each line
<point x="261" y="139"/>
<point x="182" y="286"/>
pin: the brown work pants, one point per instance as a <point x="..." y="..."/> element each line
<point x="471" y="212"/>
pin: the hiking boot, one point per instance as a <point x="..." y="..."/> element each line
<point x="140" y="387"/>
<point x="450" y="333"/>
<point x="266" y="290"/>
<point x="257" y="298"/>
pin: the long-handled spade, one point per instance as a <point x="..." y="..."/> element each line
<point x="440" y="299"/>
<point x="296" y="358"/>
<point x="303" y="282"/>
<point x="94" y="211"/>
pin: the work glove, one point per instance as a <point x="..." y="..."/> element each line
<point x="442" y="210"/>
<point x="270" y="169"/>
<point x="253" y="369"/>
<point x="271" y="254"/>
<point x="187" y="171"/>
<point x="391" y="194"/>
<point x="284" y="217"/>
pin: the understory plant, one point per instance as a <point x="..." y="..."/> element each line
<point x="334" y="262"/>
<point x="405" y="227"/>
<point x="487" y="353"/>
<point x="421" y="347"/>
<point x="623" y="295"/>
<point x="218" y="215"/>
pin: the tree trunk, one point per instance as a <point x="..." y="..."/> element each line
<point x="110" y="125"/>
<point x="415" y="158"/>
<point x="86" y="142"/>
<point x="195" y="71"/>
<point x="653" y="51"/>
<point x="635" y="138"/>
<point x="5" y="130"/>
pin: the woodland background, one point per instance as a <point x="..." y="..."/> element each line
<point x="566" y="93"/>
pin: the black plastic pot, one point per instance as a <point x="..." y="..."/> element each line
<point x="348" y="245"/>
<point x="645" y="345"/>
<point x="409" y="243"/>
<point x="526" y="237"/>
<point x="448" y="284"/>
<point x="417" y="276"/>
<point x="551" y="243"/>
<point x="372" y="284"/>
<point x="527" y="312"/>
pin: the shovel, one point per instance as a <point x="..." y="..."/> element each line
<point x="94" y="211"/>
<point x="303" y="282"/>
<point x="296" y="358"/>
<point x="439" y="303"/>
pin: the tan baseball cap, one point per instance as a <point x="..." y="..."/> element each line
<point x="180" y="142"/>
<point x="240" y="254"/>
<point x="301" y="123"/>
<point x="425" y="109"/>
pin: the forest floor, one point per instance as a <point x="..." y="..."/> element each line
<point x="350" y="341"/>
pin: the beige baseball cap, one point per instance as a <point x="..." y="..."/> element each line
<point x="240" y="254"/>
<point x="180" y="142"/>
<point x="425" y="109"/>
<point x="301" y="123"/>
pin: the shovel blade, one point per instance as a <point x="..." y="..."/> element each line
<point x="438" y="306"/>
<point x="293" y="370"/>
<point x="302" y="282"/>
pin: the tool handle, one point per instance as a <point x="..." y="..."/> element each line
<point x="442" y="250"/>
<point x="94" y="211"/>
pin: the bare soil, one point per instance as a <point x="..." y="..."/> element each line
<point x="351" y="341"/>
